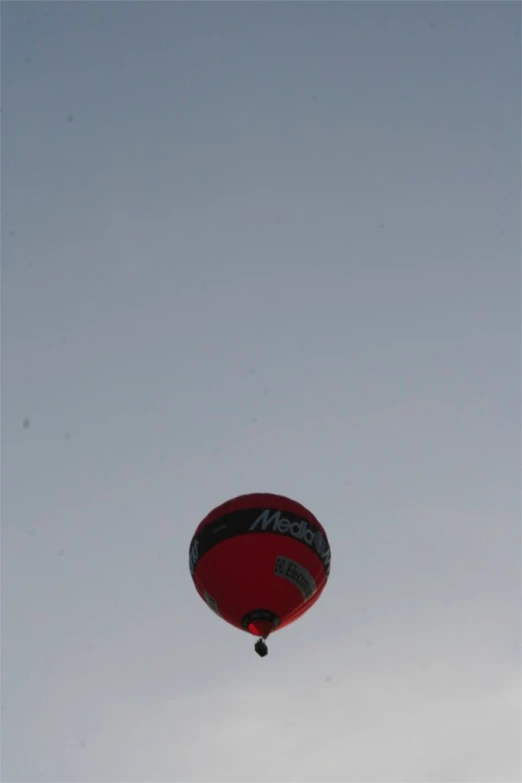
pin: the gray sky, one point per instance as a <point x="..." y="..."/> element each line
<point x="261" y="247"/>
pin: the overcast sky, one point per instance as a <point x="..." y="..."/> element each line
<point x="261" y="247"/>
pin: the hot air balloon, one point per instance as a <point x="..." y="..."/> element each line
<point x="260" y="561"/>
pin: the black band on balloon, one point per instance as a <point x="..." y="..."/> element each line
<point x="259" y="520"/>
<point x="260" y="614"/>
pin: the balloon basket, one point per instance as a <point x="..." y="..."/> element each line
<point x="261" y="648"/>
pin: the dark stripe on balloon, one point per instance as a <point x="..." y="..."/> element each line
<point x="259" y="520"/>
<point x="260" y="614"/>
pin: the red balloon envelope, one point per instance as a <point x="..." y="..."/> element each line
<point x="260" y="561"/>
